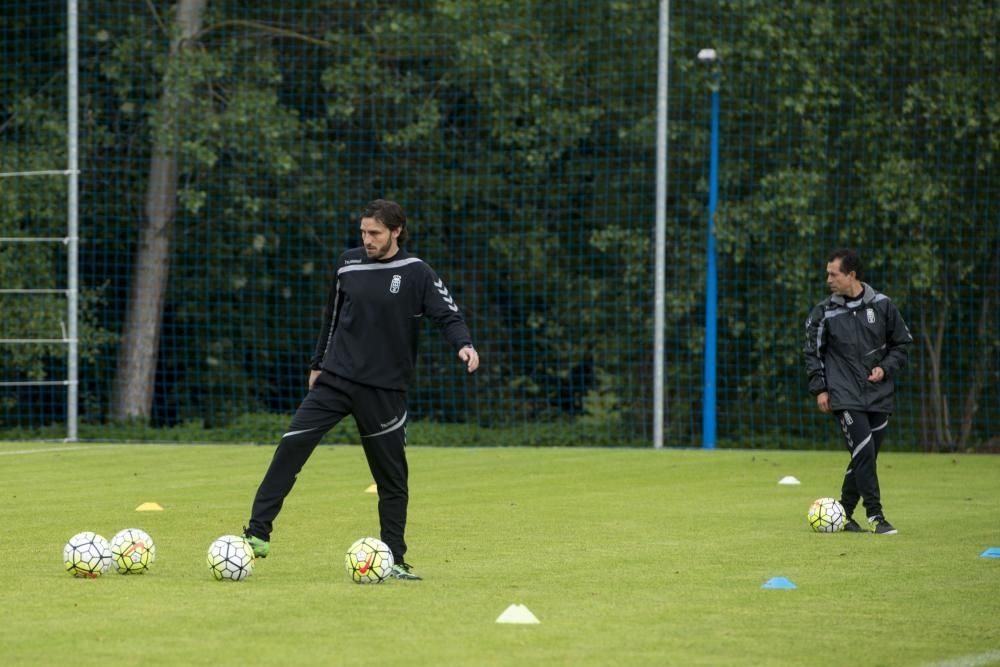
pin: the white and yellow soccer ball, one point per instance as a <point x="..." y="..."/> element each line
<point x="369" y="561"/>
<point x="87" y="554"/>
<point x="230" y="558"/>
<point x="132" y="551"/>
<point x="826" y="515"/>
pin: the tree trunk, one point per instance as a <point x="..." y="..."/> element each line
<point x="935" y="421"/>
<point x="983" y="367"/>
<point x="132" y="393"/>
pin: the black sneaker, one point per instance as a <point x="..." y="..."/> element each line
<point x="403" y="571"/>
<point x="852" y="527"/>
<point x="880" y="526"/>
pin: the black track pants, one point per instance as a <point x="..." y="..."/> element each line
<point x="863" y="434"/>
<point x="381" y="418"/>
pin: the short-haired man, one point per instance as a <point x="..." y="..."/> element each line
<point x="363" y="366"/>
<point x="856" y="343"/>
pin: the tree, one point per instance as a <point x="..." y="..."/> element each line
<point x="140" y="343"/>
<point x="881" y="136"/>
<point x="929" y="143"/>
<point x="33" y="138"/>
<point x="520" y="135"/>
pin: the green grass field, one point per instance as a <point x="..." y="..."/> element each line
<point x="634" y="557"/>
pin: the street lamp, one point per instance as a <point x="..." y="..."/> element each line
<point x="708" y="419"/>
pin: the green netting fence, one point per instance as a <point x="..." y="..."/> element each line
<point x="226" y="148"/>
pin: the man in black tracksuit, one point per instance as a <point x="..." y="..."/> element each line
<point x="363" y="365"/>
<point x="856" y="343"/>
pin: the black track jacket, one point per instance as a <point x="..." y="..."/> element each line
<point x="372" y="319"/>
<point x="845" y="340"/>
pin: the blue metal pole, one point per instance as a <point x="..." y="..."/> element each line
<point x="711" y="287"/>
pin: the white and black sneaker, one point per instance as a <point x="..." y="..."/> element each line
<point x="880" y="526"/>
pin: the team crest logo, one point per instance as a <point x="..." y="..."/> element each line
<point x="871" y="316"/>
<point x="394" y="285"/>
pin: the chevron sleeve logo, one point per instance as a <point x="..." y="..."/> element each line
<point x="443" y="291"/>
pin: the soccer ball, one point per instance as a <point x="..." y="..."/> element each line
<point x="369" y="561"/>
<point x="133" y="551"/>
<point x="87" y="555"/>
<point x="230" y="557"/>
<point x="826" y="515"/>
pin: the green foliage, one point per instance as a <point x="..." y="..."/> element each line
<point x="35" y="207"/>
<point x="31" y="207"/>
<point x="881" y="142"/>
<point x="520" y="135"/>
<point x="266" y="428"/>
<point x="602" y="413"/>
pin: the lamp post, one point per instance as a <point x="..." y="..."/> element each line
<point x="659" y="279"/>
<point x="709" y="420"/>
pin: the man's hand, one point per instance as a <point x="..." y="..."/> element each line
<point x="823" y="401"/>
<point x="877" y="374"/>
<point x="312" y="377"/>
<point x="469" y="355"/>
